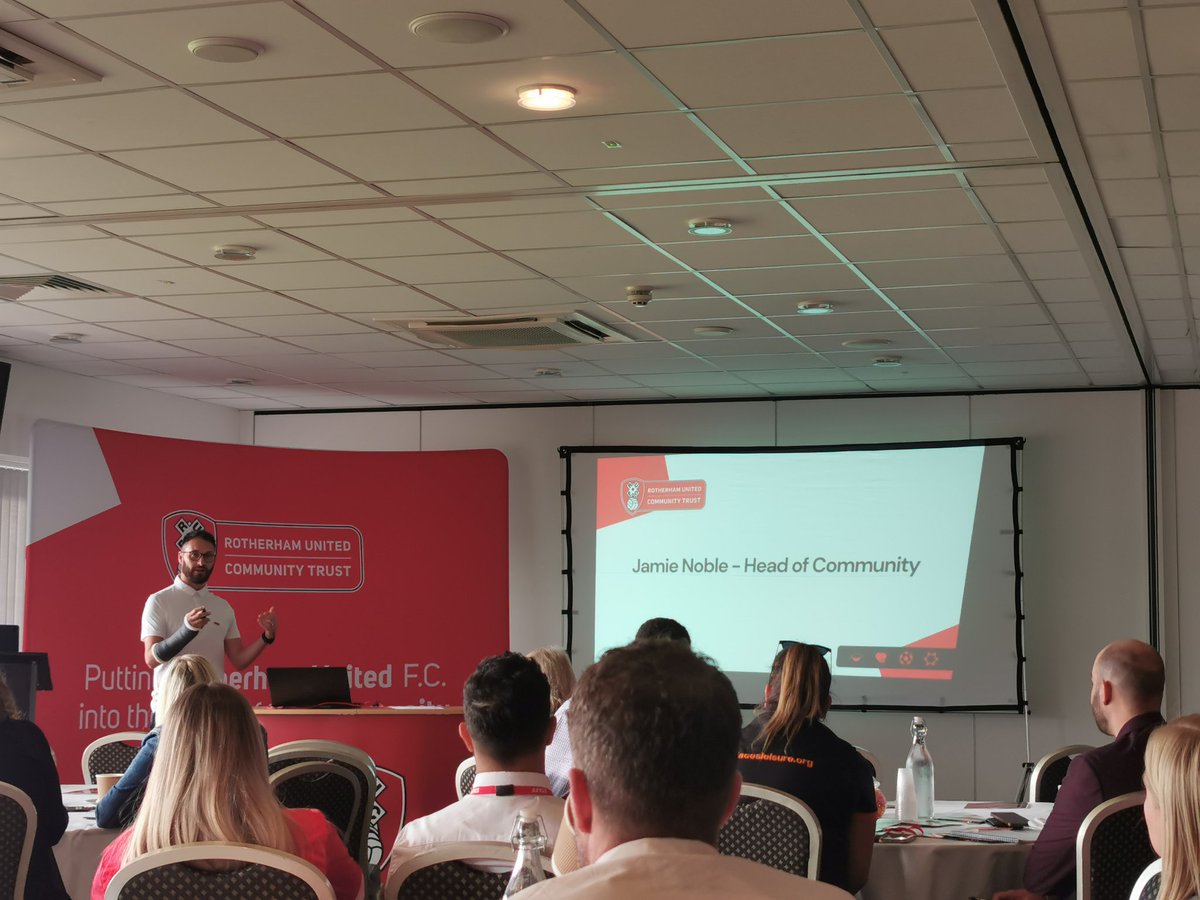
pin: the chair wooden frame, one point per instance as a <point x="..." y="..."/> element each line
<point x="459" y="850"/>
<point x="22" y="799"/>
<point x="117" y="737"/>
<point x="1155" y="868"/>
<point x="467" y="763"/>
<point x="1083" y="840"/>
<point x="206" y="850"/>
<point x="315" y="767"/>
<point x="803" y="810"/>
<point x="1039" y="770"/>
<point x="347" y="756"/>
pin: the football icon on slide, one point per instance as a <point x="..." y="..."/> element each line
<point x="906" y="658"/>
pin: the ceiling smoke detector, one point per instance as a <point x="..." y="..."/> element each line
<point x="235" y="252"/>
<point x="887" y="362"/>
<point x="458" y="27"/>
<point x="712" y="330"/>
<point x="547" y="372"/>
<point x="239" y="382"/>
<point x="709" y="227"/>
<point x="866" y="343"/>
<point x="67" y="337"/>
<point x="225" y="49"/>
<point x="639" y="295"/>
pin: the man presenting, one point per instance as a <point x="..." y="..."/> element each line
<point x="655" y="729"/>
<point x="1127" y="689"/>
<point x="186" y="617"/>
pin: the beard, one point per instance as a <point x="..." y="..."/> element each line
<point x="195" y="574"/>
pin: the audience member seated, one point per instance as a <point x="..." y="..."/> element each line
<point x="209" y="783"/>
<point x="1172" y="804"/>
<point x="1127" y="689"/>
<point x="655" y="734"/>
<point x="559" y="758"/>
<point x="26" y="763"/>
<point x="556" y="666"/>
<point x="507" y="724"/>
<point x="117" y="808"/>
<point x="788" y="747"/>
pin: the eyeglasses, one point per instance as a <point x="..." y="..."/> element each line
<point x="820" y="648"/>
<point x="196" y="555"/>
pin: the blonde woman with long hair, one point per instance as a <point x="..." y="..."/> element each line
<point x="117" y="808"/>
<point x="556" y="666"/>
<point x="788" y="747"/>
<point x="1172" y="808"/>
<point x="210" y="783"/>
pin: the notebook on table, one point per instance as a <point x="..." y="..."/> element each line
<point x="309" y="687"/>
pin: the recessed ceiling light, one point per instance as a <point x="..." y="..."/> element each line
<point x="242" y="382"/>
<point x="546" y="97"/>
<point x="812" y="308"/>
<point x="886" y="362"/>
<point x="547" y="372"/>
<point x="712" y="330"/>
<point x="458" y="27"/>
<point x="866" y="343"/>
<point x="709" y="227"/>
<point x="67" y="337"/>
<point x="225" y="49"/>
<point x="236" y="252"/>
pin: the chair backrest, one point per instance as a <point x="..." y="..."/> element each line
<point x="1050" y="770"/>
<point x="353" y="760"/>
<point x="265" y="873"/>
<point x="775" y="829"/>
<point x="440" y="873"/>
<point x="1149" y="882"/>
<point x="111" y="753"/>
<point x="330" y="787"/>
<point x="464" y="778"/>
<point x="1112" y="848"/>
<point x="869" y="757"/>
<point x="18" y="824"/>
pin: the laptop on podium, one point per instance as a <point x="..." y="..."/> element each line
<point x="309" y="687"/>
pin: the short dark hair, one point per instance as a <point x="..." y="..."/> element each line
<point x="655" y="729"/>
<point x="663" y="630"/>
<point x="197" y="533"/>
<point x="506" y="705"/>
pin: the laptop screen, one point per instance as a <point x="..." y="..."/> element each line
<point x="309" y="686"/>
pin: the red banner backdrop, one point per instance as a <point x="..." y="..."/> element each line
<point x="393" y="564"/>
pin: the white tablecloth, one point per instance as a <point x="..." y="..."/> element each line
<point x="933" y="869"/>
<point x="78" y="853"/>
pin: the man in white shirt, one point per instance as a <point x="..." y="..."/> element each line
<point x="655" y="731"/>
<point x="507" y="724"/>
<point x="187" y="615"/>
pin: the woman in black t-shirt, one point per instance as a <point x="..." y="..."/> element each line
<point x="789" y="748"/>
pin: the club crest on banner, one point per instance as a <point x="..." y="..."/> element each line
<point x="631" y="494"/>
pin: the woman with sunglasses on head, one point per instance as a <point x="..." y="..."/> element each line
<point x="788" y="747"/>
<point x="209" y="783"/>
<point x="1172" y="807"/>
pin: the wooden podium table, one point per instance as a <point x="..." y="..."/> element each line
<point x="420" y="744"/>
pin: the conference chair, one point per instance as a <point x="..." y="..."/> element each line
<point x="442" y="872"/>
<point x="111" y="753"/>
<point x="464" y="778"/>
<point x="327" y="786"/>
<point x="1050" y="771"/>
<point x="869" y="757"/>
<point x="1112" y="849"/>
<point x="265" y="873"/>
<point x="775" y="829"/>
<point x="18" y="824"/>
<point x="1148" y="883"/>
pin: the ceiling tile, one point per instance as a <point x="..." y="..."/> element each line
<point x="952" y="270"/>
<point x="748" y="253"/>
<point x="198" y="225"/>
<point x="340" y="104"/>
<point x="1135" y="196"/>
<point x="385" y="298"/>
<point x="180" y="329"/>
<point x="936" y="57"/>
<point x="385" y="239"/>
<point x="17" y="141"/>
<point x="785" y="279"/>
<point x="268" y="196"/>
<point x="980" y="317"/>
<point x="914" y="12"/>
<point x="298" y="276"/>
<point x="157" y="118"/>
<point x="1020" y="203"/>
<point x="842" y="301"/>
<point x="666" y="286"/>
<point x="1170" y="40"/>
<point x="250" y="303"/>
<point x="164" y="282"/>
<point x="749" y="220"/>
<point x="441" y="153"/>
<point x="1176" y="101"/>
<point x="230" y="167"/>
<point x="1111" y="106"/>
<point x="287" y="326"/>
<point x="450" y="267"/>
<point x="97" y="255"/>
<point x="683" y="22"/>
<point x="80" y="177"/>
<point x="1093" y="44"/>
<point x="633" y="259"/>
<point x="878" y="212"/>
<point x="1070" y="264"/>
<point x="270" y="247"/>
<point x="108" y="309"/>
<point x="1038" y="236"/>
<point x="158" y="40"/>
<point x="810" y="67"/>
<point x="986" y="114"/>
<point x="1182" y="148"/>
<point x="570" y="229"/>
<point x="965" y="240"/>
<point x="1123" y="156"/>
<point x="485" y="296"/>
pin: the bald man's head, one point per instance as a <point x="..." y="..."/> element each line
<point x="1127" y="680"/>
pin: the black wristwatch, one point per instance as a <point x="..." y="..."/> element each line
<point x="267" y="640"/>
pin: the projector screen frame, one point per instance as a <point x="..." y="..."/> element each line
<point x="1016" y="445"/>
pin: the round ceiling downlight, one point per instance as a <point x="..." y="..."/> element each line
<point x="234" y="252"/>
<point x="709" y="227"/>
<point x="546" y="97"/>
<point x="887" y="362"/>
<point x="458" y="27"/>
<point x="813" y="308"/>
<point x="225" y="49"/>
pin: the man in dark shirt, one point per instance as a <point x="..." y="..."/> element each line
<point x="1127" y="689"/>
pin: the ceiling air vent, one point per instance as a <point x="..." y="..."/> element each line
<point x="24" y="65"/>
<point x="13" y="287"/>
<point x="523" y="332"/>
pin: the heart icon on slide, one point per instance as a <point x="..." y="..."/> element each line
<point x="856" y="659"/>
<point x="881" y="657"/>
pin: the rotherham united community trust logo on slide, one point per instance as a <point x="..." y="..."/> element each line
<point x="272" y="556"/>
<point x="639" y="496"/>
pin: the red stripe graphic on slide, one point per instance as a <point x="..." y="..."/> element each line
<point x="611" y="473"/>
<point x="942" y="639"/>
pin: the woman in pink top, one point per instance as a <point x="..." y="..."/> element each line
<point x="209" y="783"/>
